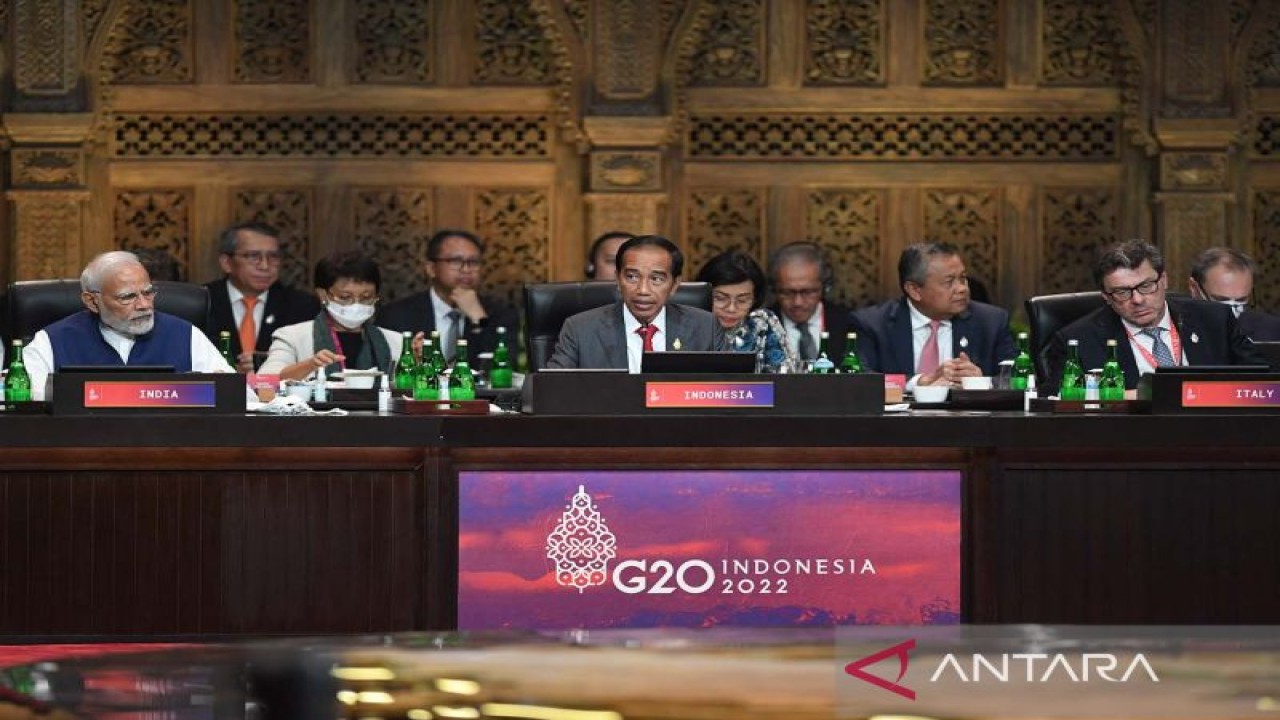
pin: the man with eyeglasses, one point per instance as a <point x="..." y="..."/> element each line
<point x="119" y="326"/>
<point x="453" y="304"/>
<point x="617" y="336"/>
<point x="1225" y="275"/>
<point x="1151" y="329"/>
<point x="801" y="278"/>
<point x="249" y="301"/>
<point x="935" y="334"/>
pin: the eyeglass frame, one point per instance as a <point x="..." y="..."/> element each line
<point x="798" y="294"/>
<point x="1125" y="294"/>
<point x="460" y="263"/>
<point x="259" y="257"/>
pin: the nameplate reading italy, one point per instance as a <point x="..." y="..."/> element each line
<point x="134" y="394"/>
<point x="708" y="394"/>
<point x="1230" y="394"/>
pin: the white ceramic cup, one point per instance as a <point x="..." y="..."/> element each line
<point x="931" y="393"/>
<point x="359" y="380"/>
<point x="976" y="383"/>
<point x="302" y="391"/>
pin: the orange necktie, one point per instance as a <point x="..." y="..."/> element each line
<point x="248" y="328"/>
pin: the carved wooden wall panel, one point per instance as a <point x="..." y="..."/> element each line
<point x="844" y="42"/>
<point x="46" y="53"/>
<point x="511" y="46"/>
<point x="732" y="50"/>
<point x="92" y="11"/>
<point x="1266" y="238"/>
<point x="393" y="226"/>
<point x="846" y="223"/>
<point x="272" y="41"/>
<point x="963" y="43"/>
<point x="394" y="41"/>
<point x="1081" y="43"/>
<point x="969" y="220"/>
<point x="289" y="210"/>
<point x="1263" y="68"/>
<point x="905" y="137"/>
<point x="151" y="43"/>
<point x="157" y="220"/>
<point x="45" y="222"/>
<point x="720" y="219"/>
<point x="1077" y="221"/>
<point x="515" y="224"/>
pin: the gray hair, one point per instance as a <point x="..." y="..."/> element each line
<point x="230" y="235"/>
<point x="913" y="263"/>
<point x="99" y="267"/>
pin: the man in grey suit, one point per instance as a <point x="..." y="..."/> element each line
<point x="618" y="335"/>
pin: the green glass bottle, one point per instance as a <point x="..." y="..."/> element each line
<point x="1072" y="385"/>
<point x="462" y="384"/>
<point x="851" y="363"/>
<point x="224" y="347"/>
<point x="500" y="373"/>
<point x="425" y="376"/>
<point x="1022" y="365"/>
<point x="17" y="383"/>
<point x="823" y="365"/>
<point x="1111" y="386"/>
<point x="406" y="366"/>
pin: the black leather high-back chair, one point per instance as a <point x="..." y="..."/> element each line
<point x="33" y="304"/>
<point x="548" y="305"/>
<point x="1047" y="314"/>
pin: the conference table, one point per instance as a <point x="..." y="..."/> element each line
<point x="181" y="525"/>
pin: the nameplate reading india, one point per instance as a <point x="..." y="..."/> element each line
<point x="708" y="394"/>
<point x="129" y="394"/>
<point x="1230" y="394"/>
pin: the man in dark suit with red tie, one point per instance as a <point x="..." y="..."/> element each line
<point x="934" y="334"/>
<point x="250" y="302"/>
<point x="453" y="304"/>
<point x="1151" y="330"/>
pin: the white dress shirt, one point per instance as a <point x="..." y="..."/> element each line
<point x="814" y="323"/>
<point x="441" y="309"/>
<point x="1138" y="338"/>
<point x="237" y="309"/>
<point x="635" y="343"/>
<point x="920" y="329"/>
<point x="38" y="356"/>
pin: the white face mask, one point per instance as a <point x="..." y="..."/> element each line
<point x="350" y="316"/>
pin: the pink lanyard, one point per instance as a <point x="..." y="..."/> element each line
<point x="1175" y="340"/>
<point x="337" y="344"/>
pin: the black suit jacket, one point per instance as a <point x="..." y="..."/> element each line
<point x="1259" y="326"/>
<point x="885" y="339"/>
<point x="415" y="312"/>
<point x="835" y="322"/>
<point x="285" y="306"/>
<point x="1208" y="330"/>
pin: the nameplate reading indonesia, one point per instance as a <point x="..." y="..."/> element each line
<point x="1230" y="394"/>
<point x="134" y="394"/>
<point x="708" y="394"/>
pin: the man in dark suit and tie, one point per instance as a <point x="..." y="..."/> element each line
<point x="453" y="304"/>
<point x="1225" y="275"/>
<point x="1150" y="329"/>
<point x="801" y="277"/>
<point x="934" y="334"/>
<point x="618" y="335"/>
<point x="249" y="301"/>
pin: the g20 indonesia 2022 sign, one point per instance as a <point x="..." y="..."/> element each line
<point x="698" y="548"/>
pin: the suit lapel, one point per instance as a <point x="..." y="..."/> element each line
<point x="611" y="334"/>
<point x="273" y="308"/>
<point x="900" y="337"/>
<point x="1190" y="336"/>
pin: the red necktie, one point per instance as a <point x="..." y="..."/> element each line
<point x="647" y="332"/>
<point x="929" y="358"/>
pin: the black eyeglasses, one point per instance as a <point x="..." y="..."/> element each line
<point x="259" y="258"/>
<point x="1144" y="288"/>
<point x="460" y="263"/>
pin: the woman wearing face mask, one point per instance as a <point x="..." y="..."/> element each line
<point x="341" y="337"/>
